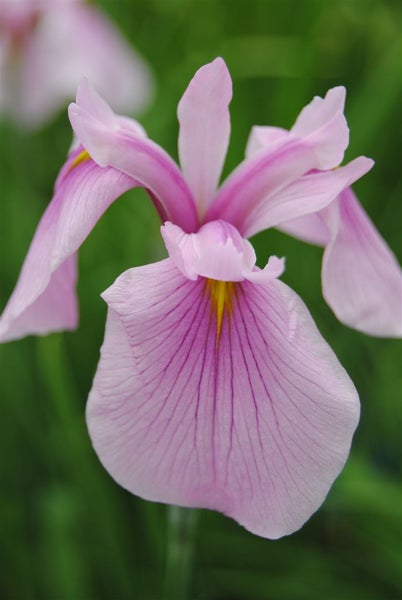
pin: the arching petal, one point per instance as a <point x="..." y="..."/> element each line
<point x="204" y="134"/>
<point x="112" y="141"/>
<point x="361" y="278"/>
<point x="247" y="412"/>
<point x="306" y="195"/>
<point x="44" y="298"/>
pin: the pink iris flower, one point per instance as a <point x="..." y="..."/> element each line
<point x="47" y="46"/>
<point x="214" y="387"/>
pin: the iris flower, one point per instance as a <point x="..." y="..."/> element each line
<point x="214" y="387"/>
<point x="47" y="46"/>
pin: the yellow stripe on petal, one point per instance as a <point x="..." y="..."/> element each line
<point x="221" y="293"/>
<point x="80" y="158"/>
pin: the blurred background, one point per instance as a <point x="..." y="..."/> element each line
<point x="67" y="531"/>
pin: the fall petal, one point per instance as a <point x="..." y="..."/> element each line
<point x="249" y="413"/>
<point x="361" y="278"/>
<point x="44" y="298"/>
<point x="204" y="134"/>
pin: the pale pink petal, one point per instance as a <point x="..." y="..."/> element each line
<point x="310" y="229"/>
<point x="259" y="177"/>
<point x="316" y="142"/>
<point x="204" y="134"/>
<point x="70" y="41"/>
<point x="310" y="193"/>
<point x="321" y="124"/>
<point x="114" y="143"/>
<point x="261" y="138"/>
<point x="361" y="278"/>
<point x="323" y="121"/>
<point x="217" y="251"/>
<point x="44" y="298"/>
<point x="254" y="420"/>
<point x="276" y="185"/>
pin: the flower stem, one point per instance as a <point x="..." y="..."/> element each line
<point x="181" y="526"/>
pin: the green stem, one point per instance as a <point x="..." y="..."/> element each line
<point x="181" y="526"/>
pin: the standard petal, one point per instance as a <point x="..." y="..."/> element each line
<point x="264" y="137"/>
<point x="306" y="195"/>
<point x="44" y="298"/>
<point x="116" y="144"/>
<point x="361" y="278"/>
<point x="204" y="118"/>
<point x="323" y="121"/>
<point x="241" y="408"/>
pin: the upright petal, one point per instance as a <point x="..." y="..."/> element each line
<point x="261" y="138"/>
<point x="361" y="278"/>
<point x="248" y="412"/>
<point x="114" y="142"/>
<point x="204" y="134"/>
<point x="44" y="298"/>
<point x="323" y="120"/>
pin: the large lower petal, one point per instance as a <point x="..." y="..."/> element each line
<point x="242" y="409"/>
<point x="112" y="141"/>
<point x="44" y="298"/>
<point x="361" y="278"/>
<point x="204" y="119"/>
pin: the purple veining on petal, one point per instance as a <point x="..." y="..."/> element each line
<point x="257" y="426"/>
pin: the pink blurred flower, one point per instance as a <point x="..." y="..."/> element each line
<point x="47" y="46"/>
<point x="214" y="387"/>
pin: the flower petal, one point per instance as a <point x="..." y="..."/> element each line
<point x="317" y="141"/>
<point x="323" y="121"/>
<point x="44" y="298"/>
<point x="310" y="193"/>
<point x="217" y="251"/>
<point x="254" y="420"/>
<point x="361" y="278"/>
<point x="115" y="143"/>
<point x="310" y="228"/>
<point x="72" y="40"/>
<point x="204" y="130"/>
<point x="261" y="138"/>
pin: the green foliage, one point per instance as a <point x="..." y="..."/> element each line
<point x="68" y="532"/>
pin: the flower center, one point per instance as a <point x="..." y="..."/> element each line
<point x="220" y="293"/>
